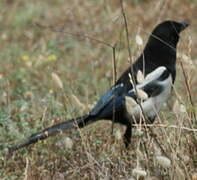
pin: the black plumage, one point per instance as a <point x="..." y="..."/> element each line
<point x="158" y="62"/>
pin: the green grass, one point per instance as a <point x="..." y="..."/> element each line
<point x="31" y="101"/>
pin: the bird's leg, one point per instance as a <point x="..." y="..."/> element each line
<point x="127" y="135"/>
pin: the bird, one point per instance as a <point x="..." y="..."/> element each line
<point x="142" y="89"/>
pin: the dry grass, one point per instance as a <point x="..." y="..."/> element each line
<point x="30" y="99"/>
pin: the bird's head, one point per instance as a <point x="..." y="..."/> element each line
<point x="168" y="32"/>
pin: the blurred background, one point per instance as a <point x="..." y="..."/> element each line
<point x="50" y="72"/>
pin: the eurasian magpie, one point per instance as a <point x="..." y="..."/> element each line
<point x="132" y="96"/>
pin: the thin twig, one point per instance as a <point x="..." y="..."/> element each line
<point x="114" y="63"/>
<point x="26" y="169"/>
<point x="188" y="90"/>
<point x="114" y="82"/>
<point x="193" y="115"/>
<point x="80" y="35"/>
<point x="165" y="126"/>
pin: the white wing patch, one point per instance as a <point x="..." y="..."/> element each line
<point x="155" y="74"/>
<point x="150" y="105"/>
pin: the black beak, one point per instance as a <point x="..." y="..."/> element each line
<point x="184" y="25"/>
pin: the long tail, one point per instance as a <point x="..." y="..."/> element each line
<point x="73" y="123"/>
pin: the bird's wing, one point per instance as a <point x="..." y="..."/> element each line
<point x="157" y="87"/>
<point x="153" y="86"/>
<point x="155" y="82"/>
<point x="107" y="97"/>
